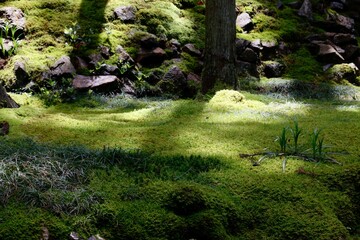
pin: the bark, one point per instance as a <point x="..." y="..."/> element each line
<point x="219" y="65"/>
<point x="5" y="100"/>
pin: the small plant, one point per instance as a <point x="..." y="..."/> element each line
<point x="314" y="142"/>
<point x="296" y="132"/>
<point x="54" y="92"/>
<point x="71" y="33"/>
<point x="282" y="140"/>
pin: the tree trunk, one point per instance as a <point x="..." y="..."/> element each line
<point x="5" y="100"/>
<point x="219" y="66"/>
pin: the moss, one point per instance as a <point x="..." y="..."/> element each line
<point x="301" y="65"/>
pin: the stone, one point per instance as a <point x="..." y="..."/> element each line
<point x="344" y="71"/>
<point x="256" y="44"/>
<point x="5" y="100"/>
<point x="128" y="87"/>
<point x="306" y="10"/>
<point x="3" y="63"/>
<point x="79" y="63"/>
<point x="294" y="5"/>
<point x="151" y="57"/>
<point x="273" y="69"/>
<point x="337" y="6"/>
<point x="350" y="51"/>
<point x="150" y="41"/>
<point x="95" y="59"/>
<point x="4" y="128"/>
<point x="102" y="83"/>
<point x="106" y="69"/>
<point x="248" y="55"/>
<point x="344" y="38"/>
<point x="155" y="76"/>
<point x="74" y="236"/>
<point x="244" y="21"/>
<point x="327" y="53"/>
<point x="123" y="55"/>
<point x="246" y="69"/>
<point x="127" y="14"/>
<point x="15" y="17"/>
<point x="241" y="45"/>
<point x="21" y="75"/>
<point x="105" y="52"/>
<point x="8" y="45"/>
<point x="173" y="82"/>
<point x="62" y="68"/>
<point x="191" y="49"/>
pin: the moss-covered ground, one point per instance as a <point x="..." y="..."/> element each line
<point x="164" y="169"/>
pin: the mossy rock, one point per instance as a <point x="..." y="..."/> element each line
<point x="227" y="97"/>
<point x="344" y="71"/>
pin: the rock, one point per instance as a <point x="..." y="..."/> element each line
<point x="4" y="128"/>
<point x="79" y="63"/>
<point x="123" y="55"/>
<point x="154" y="77"/>
<point x="173" y="82"/>
<point x="249" y="55"/>
<point x="337" y="6"/>
<point x="306" y="10"/>
<point x="105" y="52"/>
<point x="8" y="45"/>
<point x="151" y="57"/>
<point x="5" y="100"/>
<point x="344" y="38"/>
<point x="15" y="17"/>
<point x="106" y="69"/>
<point x="103" y="83"/>
<point x="345" y="71"/>
<point x="45" y="233"/>
<point x="128" y="87"/>
<point x="96" y="237"/>
<point x="150" y="41"/>
<point x="191" y="49"/>
<point x="246" y="69"/>
<point x="269" y="50"/>
<point x="350" y="51"/>
<point x="241" y="45"/>
<point x="127" y="14"/>
<point x="22" y="76"/>
<point x="62" y="68"/>
<point x="357" y="62"/>
<point x="95" y="59"/>
<point x="3" y="63"/>
<point x="256" y="44"/>
<point x="74" y="236"/>
<point x="273" y="69"/>
<point x="244" y="21"/>
<point x="340" y="23"/>
<point x="327" y="53"/>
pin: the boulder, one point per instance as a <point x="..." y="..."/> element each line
<point x="3" y="63"/>
<point x="105" y="52"/>
<point x="273" y="69"/>
<point x="306" y="10"/>
<point x="246" y="69"/>
<point x="327" y="53"/>
<point x="103" y="83"/>
<point x="62" y="68"/>
<point x="79" y="63"/>
<point x="337" y="6"/>
<point x="15" y="17"/>
<point x="21" y="75"/>
<point x="241" y="45"/>
<point x="244" y="21"/>
<point x="123" y="55"/>
<point x="344" y="38"/>
<point x="8" y="45"/>
<point x="5" y="100"/>
<point x="149" y="41"/>
<point x="95" y="59"/>
<point x="106" y="69"/>
<point x="269" y="49"/>
<point x="350" y="52"/>
<point x="191" y="49"/>
<point x="151" y="58"/>
<point x="345" y="71"/>
<point x="249" y="55"/>
<point x="127" y="14"/>
<point x="4" y="128"/>
<point x="173" y="82"/>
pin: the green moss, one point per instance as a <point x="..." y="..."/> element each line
<point x="301" y="65"/>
